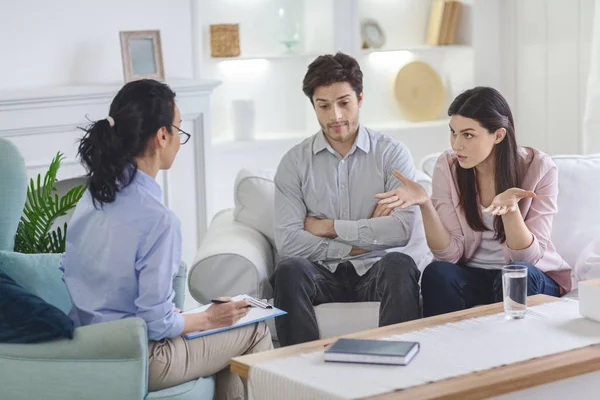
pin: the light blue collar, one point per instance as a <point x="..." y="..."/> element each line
<point x="362" y="142"/>
<point x="149" y="183"/>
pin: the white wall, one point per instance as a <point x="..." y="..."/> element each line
<point x="545" y="48"/>
<point x="71" y="42"/>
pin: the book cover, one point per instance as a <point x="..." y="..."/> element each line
<point x="453" y="26"/>
<point x="445" y="26"/>
<point x="372" y="351"/>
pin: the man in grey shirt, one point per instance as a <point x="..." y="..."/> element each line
<point x="330" y="232"/>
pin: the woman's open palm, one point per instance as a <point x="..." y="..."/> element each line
<point x="410" y="194"/>
<point x="507" y="201"/>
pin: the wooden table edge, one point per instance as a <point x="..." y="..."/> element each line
<point x="491" y="382"/>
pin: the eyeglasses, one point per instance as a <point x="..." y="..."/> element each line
<point x="183" y="135"/>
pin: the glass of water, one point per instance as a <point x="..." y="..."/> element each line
<point x="514" y="288"/>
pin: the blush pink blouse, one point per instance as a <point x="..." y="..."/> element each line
<point x="538" y="174"/>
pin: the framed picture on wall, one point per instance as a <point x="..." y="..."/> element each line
<point x="141" y="53"/>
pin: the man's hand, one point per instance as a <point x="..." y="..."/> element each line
<point x="320" y="227"/>
<point x="382" y="210"/>
<point x="356" y="251"/>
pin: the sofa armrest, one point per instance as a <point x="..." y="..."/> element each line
<point x="232" y="259"/>
<point x="107" y="360"/>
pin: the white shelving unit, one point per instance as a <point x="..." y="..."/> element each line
<point x="272" y="77"/>
<point x="269" y="56"/>
<point x="418" y="49"/>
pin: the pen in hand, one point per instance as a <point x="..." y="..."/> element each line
<point x="217" y="301"/>
<point x="220" y="301"/>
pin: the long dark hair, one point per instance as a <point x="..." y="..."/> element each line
<point x="487" y="106"/>
<point x="108" y="152"/>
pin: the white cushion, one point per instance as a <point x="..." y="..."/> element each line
<point x="577" y="222"/>
<point x="588" y="264"/>
<point x="428" y="163"/>
<point x="335" y="319"/>
<point x="254" y="200"/>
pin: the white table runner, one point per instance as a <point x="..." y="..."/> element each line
<point x="447" y="351"/>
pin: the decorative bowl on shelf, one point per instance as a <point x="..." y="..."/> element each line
<point x="419" y="92"/>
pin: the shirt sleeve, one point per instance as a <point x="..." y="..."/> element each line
<point x="442" y="186"/>
<point x="291" y="239"/>
<point x="159" y="257"/>
<point x="539" y="219"/>
<point x="384" y="232"/>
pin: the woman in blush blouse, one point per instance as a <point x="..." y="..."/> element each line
<point x="124" y="246"/>
<point x="492" y="204"/>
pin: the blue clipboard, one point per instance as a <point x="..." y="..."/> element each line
<point x="256" y="314"/>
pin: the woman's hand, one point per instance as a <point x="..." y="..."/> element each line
<point x="507" y="201"/>
<point x="227" y="314"/>
<point x="410" y="194"/>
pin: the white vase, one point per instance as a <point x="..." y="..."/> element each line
<point x="244" y="119"/>
<point x="289" y="16"/>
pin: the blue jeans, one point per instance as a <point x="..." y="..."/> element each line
<point x="448" y="287"/>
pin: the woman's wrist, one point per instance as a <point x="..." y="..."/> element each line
<point x="197" y="322"/>
<point x="426" y="204"/>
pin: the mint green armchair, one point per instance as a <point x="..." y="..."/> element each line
<point x="102" y="361"/>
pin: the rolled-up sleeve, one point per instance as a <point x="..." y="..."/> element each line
<point x="159" y="259"/>
<point x="539" y="219"/>
<point x="291" y="239"/>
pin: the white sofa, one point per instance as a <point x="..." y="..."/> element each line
<point x="237" y="254"/>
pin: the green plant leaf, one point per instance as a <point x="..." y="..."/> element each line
<point x="41" y="210"/>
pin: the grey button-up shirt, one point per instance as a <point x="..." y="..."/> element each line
<point x="314" y="180"/>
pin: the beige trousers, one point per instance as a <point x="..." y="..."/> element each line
<point x="178" y="360"/>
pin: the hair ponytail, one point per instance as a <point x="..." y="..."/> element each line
<point x="101" y="151"/>
<point x="108" y="152"/>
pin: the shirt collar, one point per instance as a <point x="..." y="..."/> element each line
<point x="148" y="183"/>
<point x="362" y="142"/>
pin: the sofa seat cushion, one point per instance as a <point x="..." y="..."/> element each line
<point x="26" y="318"/>
<point x="199" y="389"/>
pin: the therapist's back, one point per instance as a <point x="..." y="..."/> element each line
<point x="124" y="246"/>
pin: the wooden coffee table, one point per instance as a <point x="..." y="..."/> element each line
<point x="492" y="382"/>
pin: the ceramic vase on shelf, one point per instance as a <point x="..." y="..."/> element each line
<point x="289" y="17"/>
<point x="244" y="118"/>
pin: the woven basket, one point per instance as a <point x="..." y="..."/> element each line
<point x="225" y="40"/>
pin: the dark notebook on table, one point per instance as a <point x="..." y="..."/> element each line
<point x="372" y="351"/>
